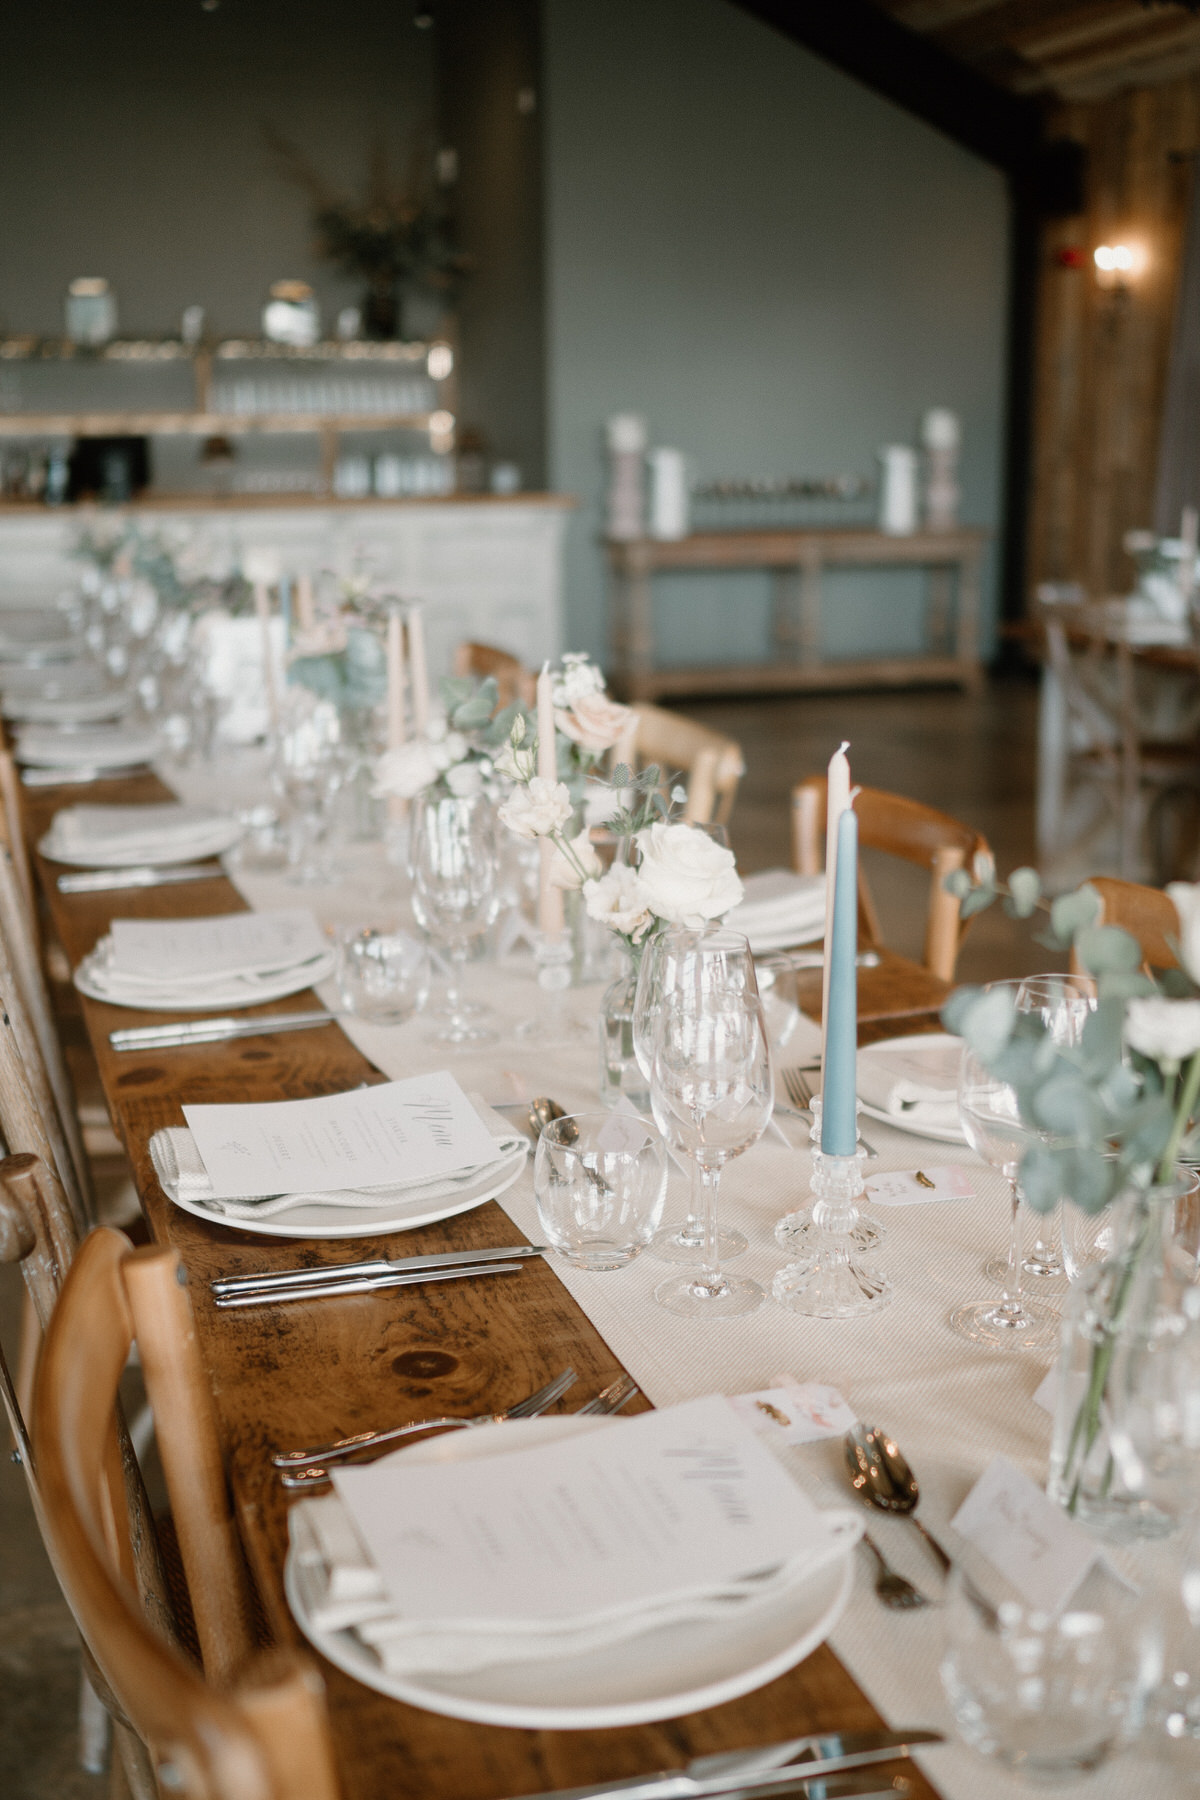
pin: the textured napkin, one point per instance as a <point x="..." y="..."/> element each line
<point x="341" y="1589"/>
<point x="919" y="1085"/>
<point x="101" y="747"/>
<point x="780" y="909"/>
<point x="183" y="1177"/>
<point x="136" y="830"/>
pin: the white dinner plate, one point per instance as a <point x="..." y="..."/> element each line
<point x="317" y="1221"/>
<point x="237" y="990"/>
<point x="87" y="709"/>
<point x="87" y="747"/>
<point x="222" y="835"/>
<point x="901" y="1121"/>
<point x="679" y="1668"/>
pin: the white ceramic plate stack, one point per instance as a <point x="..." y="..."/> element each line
<point x="101" y="747"/>
<point x="67" y="709"/>
<point x="174" y="966"/>
<point x="35" y="634"/>
<point x="780" y="909"/>
<point x="125" y="837"/>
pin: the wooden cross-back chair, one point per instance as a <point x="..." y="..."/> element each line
<point x="712" y="763"/>
<point x="246" y="1728"/>
<point x="1146" y="913"/>
<point x="899" y="827"/>
<point x="513" y="680"/>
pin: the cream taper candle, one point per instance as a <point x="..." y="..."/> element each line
<point x="262" y="606"/>
<point x="550" y="900"/>
<point x="419" y="668"/>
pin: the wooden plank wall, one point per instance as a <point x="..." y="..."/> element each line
<point x="1102" y="353"/>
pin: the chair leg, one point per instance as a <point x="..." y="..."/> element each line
<point x="28" y="1351"/>
<point x="132" y="1769"/>
<point x="95" y="1728"/>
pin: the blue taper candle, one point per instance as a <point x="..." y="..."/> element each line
<point x="839" y="1117"/>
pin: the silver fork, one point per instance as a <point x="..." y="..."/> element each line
<point x="611" y="1399"/>
<point x="894" y="1589"/>
<point x="304" y="1468"/>
<point x="798" y="1091"/>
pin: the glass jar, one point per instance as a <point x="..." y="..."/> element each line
<point x="620" y="1074"/>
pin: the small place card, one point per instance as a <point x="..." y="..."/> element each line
<point x="795" y="1412"/>
<point x="915" y="1187"/>
<point x="1026" y="1536"/>
<point x="402" y="1131"/>
<point x="166" y="950"/>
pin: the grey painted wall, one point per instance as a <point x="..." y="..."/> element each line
<point x="779" y="268"/>
<point x="131" y="146"/>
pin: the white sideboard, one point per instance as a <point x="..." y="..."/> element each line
<point x="488" y="569"/>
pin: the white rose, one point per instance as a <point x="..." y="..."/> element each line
<point x="455" y="746"/>
<point x="582" y="865"/>
<point x="619" y="901"/>
<point x="465" y="779"/>
<point x="405" y="771"/>
<point x="578" y="678"/>
<point x="1186" y="898"/>
<point x="538" y="810"/>
<point x="687" y="877"/>
<point x="1167" y="1031"/>
<point x="594" y="721"/>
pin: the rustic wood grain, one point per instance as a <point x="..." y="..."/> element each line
<point x="309" y="1371"/>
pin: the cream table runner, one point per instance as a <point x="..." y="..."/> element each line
<point x="951" y="1406"/>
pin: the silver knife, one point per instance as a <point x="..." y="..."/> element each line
<point x="278" y="1280"/>
<point x="39" y="777"/>
<point x="759" y="1771"/>
<point x="101" y="881"/>
<point x="368" y="1284"/>
<point x="214" y="1031"/>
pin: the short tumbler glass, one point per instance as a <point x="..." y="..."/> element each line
<point x="382" y="976"/>
<point x="600" y="1180"/>
<point x="1048" y="1695"/>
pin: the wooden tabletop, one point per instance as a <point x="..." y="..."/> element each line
<point x="311" y="1371"/>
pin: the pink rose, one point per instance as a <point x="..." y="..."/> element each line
<point x="594" y="722"/>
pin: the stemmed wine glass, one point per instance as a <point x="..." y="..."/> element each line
<point x="995" y="1130"/>
<point x="307" y="772"/>
<point x="667" y="959"/>
<point x="712" y="1093"/>
<point x="454" y="863"/>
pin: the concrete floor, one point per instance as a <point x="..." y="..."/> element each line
<point x="973" y="758"/>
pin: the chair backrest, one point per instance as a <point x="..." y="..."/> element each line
<point x="1146" y="913"/>
<point x="513" y="680"/>
<point x="712" y="762"/>
<point x="228" y="1734"/>
<point x="899" y="827"/>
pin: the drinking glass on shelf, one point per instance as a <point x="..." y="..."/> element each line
<point x="667" y="959"/>
<point x="599" y="1180"/>
<point x="454" y="862"/>
<point x="712" y="1093"/>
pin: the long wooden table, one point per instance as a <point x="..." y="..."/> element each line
<point x="308" y="1372"/>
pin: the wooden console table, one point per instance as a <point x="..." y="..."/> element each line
<point x="796" y="560"/>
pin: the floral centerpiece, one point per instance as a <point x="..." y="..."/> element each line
<point x="456" y="753"/>
<point x="1111" y="1119"/>
<point x="338" y="656"/>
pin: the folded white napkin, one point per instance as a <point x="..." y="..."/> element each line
<point x="182" y="1174"/>
<point x="779" y="909"/>
<point x="130" y="830"/>
<point x="918" y="1084"/>
<point x="102" y="747"/>
<point x="340" y="1589"/>
<point x="66" y="709"/>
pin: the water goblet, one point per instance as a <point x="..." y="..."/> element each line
<point x="712" y="1093"/>
<point x="307" y="772"/>
<point x="454" y="861"/>
<point x="600" y="1180"/>
<point x="666" y="960"/>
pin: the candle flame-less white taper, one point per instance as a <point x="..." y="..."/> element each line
<point x="550" y="900"/>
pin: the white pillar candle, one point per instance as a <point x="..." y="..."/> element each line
<point x="262" y="606"/>
<point x="419" y="668"/>
<point x="306" y="611"/>
<point x="668" y="494"/>
<point x="550" y="900"/>
<point x="898" y="490"/>
<point x="837" y="800"/>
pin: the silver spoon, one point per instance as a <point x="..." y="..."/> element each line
<point x="882" y="1478"/>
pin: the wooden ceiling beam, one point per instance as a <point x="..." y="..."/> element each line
<point x="1123" y="59"/>
<point x="1167" y="68"/>
<point x="935" y="15"/>
<point x="1089" y="25"/>
<point x="998" y="28"/>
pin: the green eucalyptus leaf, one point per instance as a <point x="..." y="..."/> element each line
<point x="454" y="690"/>
<point x="1106" y="949"/>
<point x="1042" y="1176"/>
<point x="958" y="883"/>
<point x="1025" y="890"/>
<point x="1072" y="913"/>
<point x="473" y="714"/>
<point x="977" y="901"/>
<point x="987" y="1023"/>
<point x="1067" y="1106"/>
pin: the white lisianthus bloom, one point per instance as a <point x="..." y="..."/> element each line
<point x="1167" y="1031"/>
<point x="688" y="879"/>
<point x="582" y="865"/>
<point x="538" y="810"/>
<point x="577" y="680"/>
<point x="516" y="762"/>
<point x="406" y="771"/>
<point x="1186" y="898"/>
<point x="619" y="901"/>
<point x="464" y="779"/>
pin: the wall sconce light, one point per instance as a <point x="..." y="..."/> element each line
<point x="1117" y="264"/>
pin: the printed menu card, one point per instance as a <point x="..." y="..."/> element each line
<point x="401" y="1131"/>
<point x="673" y="1502"/>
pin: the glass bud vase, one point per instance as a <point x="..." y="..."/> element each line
<point x="620" y="1075"/>
<point x="1112" y="1331"/>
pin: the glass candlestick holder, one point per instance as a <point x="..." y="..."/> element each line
<point x="794" y="1232"/>
<point x="828" y="1281"/>
<point x="553" y="1023"/>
